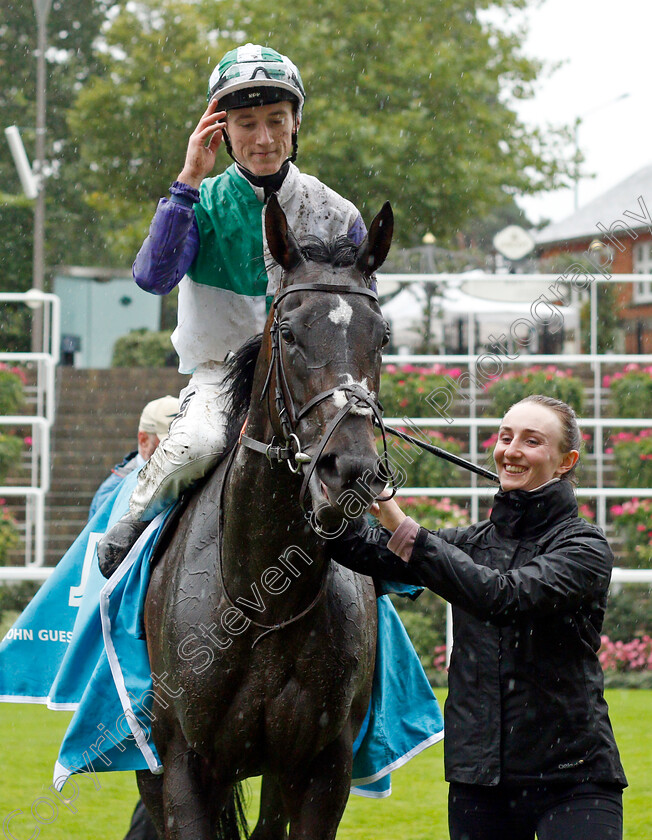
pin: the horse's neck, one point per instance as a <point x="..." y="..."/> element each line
<point x="267" y="537"/>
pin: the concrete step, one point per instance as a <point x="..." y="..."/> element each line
<point x="70" y="492"/>
<point x="87" y="459"/>
<point x="95" y="426"/>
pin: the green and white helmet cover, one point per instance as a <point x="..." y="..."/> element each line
<point x="259" y="74"/>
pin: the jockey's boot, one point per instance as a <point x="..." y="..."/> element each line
<point x="117" y="542"/>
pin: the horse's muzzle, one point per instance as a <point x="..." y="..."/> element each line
<point x="344" y="485"/>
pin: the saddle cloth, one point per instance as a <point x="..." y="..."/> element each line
<point x="79" y="646"/>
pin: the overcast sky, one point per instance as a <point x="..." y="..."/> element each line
<point x="606" y="50"/>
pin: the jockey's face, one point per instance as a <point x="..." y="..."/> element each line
<point x="261" y="137"/>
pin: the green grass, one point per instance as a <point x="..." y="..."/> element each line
<point x="30" y="736"/>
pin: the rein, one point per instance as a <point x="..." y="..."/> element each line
<point x="291" y="450"/>
<point x="445" y="455"/>
<point x="267" y="628"/>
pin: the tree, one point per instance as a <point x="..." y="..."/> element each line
<point x="406" y="101"/>
<point x="72" y="27"/>
<point x="137" y="113"/>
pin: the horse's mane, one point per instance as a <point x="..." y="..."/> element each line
<point x="339" y="252"/>
<point x="239" y="380"/>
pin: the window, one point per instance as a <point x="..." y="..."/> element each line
<point x="642" y="265"/>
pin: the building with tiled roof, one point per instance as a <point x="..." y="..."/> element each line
<point x="622" y="219"/>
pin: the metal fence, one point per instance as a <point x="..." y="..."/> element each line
<point x="470" y="397"/>
<point x="41" y="402"/>
<point x="471" y="418"/>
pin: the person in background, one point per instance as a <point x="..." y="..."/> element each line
<point x="209" y="239"/>
<point x="529" y="748"/>
<point x="153" y="427"/>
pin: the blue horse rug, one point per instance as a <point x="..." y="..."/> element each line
<point x="79" y="646"/>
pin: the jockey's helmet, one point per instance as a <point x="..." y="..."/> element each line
<point x="255" y="75"/>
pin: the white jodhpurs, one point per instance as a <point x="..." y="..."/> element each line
<point x="195" y="443"/>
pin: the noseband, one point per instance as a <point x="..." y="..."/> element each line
<point x="291" y="450"/>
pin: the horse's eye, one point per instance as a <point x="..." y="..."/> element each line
<point x="388" y="335"/>
<point x="286" y="334"/>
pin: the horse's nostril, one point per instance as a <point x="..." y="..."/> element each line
<point x="341" y="471"/>
<point x="327" y="469"/>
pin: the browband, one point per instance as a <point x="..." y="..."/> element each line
<point x="324" y="287"/>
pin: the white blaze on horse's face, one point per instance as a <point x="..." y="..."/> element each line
<point x="341" y="314"/>
<point x="341" y="397"/>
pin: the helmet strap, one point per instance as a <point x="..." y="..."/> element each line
<point x="295" y="146"/>
<point x="227" y="143"/>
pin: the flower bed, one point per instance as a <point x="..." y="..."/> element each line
<point x="415" y="467"/>
<point x="11" y="447"/>
<point x="632" y="452"/>
<point x="630" y="391"/>
<point x="404" y="388"/>
<point x="513" y="386"/>
<point x="12" y="380"/>
<point x="435" y="514"/>
<point x="635" y="655"/>
<point x="627" y="664"/>
<point x="9" y="536"/>
<point x="633" y="519"/>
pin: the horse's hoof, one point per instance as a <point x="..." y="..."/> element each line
<point x="116" y="544"/>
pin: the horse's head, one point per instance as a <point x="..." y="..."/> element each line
<point x="324" y="345"/>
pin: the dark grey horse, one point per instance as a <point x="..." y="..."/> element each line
<point x="268" y="646"/>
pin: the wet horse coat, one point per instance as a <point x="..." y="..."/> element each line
<point x="268" y="644"/>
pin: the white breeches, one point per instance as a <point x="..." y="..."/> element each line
<point x="195" y="443"/>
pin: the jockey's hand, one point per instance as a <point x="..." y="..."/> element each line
<point x="388" y="514"/>
<point x="202" y="146"/>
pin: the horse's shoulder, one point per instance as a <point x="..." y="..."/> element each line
<point x="197" y="512"/>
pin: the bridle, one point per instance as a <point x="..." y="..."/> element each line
<point x="290" y="449"/>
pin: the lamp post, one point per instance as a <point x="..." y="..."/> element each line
<point x="41" y="10"/>
<point x="576" y="129"/>
<point x="430" y="289"/>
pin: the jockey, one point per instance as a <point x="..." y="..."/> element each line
<point x="208" y="238"/>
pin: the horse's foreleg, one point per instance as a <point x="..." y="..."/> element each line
<point x="316" y="803"/>
<point x="192" y="799"/>
<point x="151" y="792"/>
<point x="273" y="820"/>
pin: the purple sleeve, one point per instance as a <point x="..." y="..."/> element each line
<point x="357" y="231"/>
<point x="172" y="243"/>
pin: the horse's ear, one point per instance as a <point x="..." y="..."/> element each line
<point x="375" y="247"/>
<point x="280" y="239"/>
